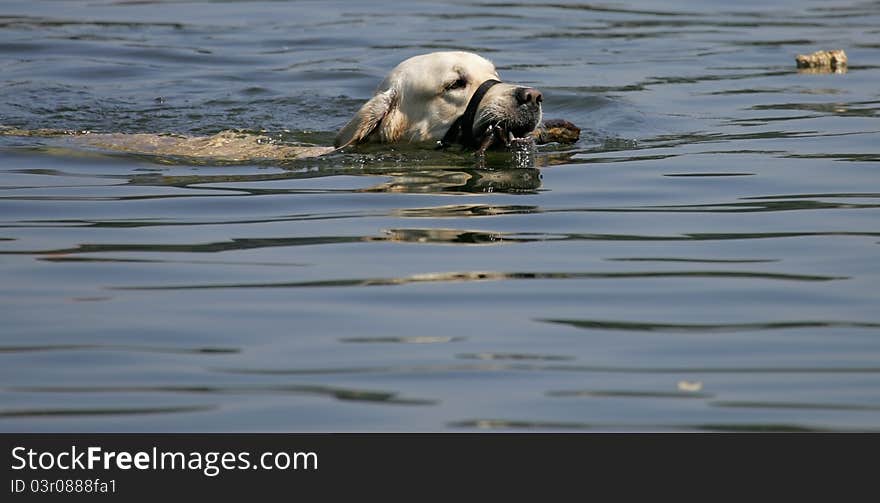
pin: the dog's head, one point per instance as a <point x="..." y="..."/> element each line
<point x="450" y="96"/>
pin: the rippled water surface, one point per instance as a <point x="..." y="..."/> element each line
<point x="704" y="258"/>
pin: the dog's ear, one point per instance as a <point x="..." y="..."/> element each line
<point x="366" y="119"/>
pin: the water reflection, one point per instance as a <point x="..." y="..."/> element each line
<point x="702" y="259"/>
<point x="448" y="236"/>
<point x="68" y="412"/>
<point x="345" y="394"/>
<point x="415" y="339"/>
<point x="512" y="356"/>
<point x="120" y="347"/>
<point x="631" y="326"/>
<point x="466" y="210"/>
<point x="415" y="178"/>
<point x="507" y="367"/>
<point x="513" y="424"/>
<point x="839" y="70"/>
<point x="475" y="276"/>
<point x="520" y="180"/>
<point x="627" y="394"/>
<point x="793" y="405"/>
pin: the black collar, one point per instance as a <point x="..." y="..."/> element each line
<point x="462" y="130"/>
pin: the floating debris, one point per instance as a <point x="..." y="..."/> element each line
<point x="823" y="61"/>
<point x="690" y="386"/>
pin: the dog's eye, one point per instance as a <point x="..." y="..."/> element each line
<point x="457" y="84"/>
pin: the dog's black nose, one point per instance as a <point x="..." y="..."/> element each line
<point x="525" y="95"/>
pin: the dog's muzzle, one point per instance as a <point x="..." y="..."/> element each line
<point x="461" y="131"/>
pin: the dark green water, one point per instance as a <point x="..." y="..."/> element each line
<point x="704" y="258"/>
